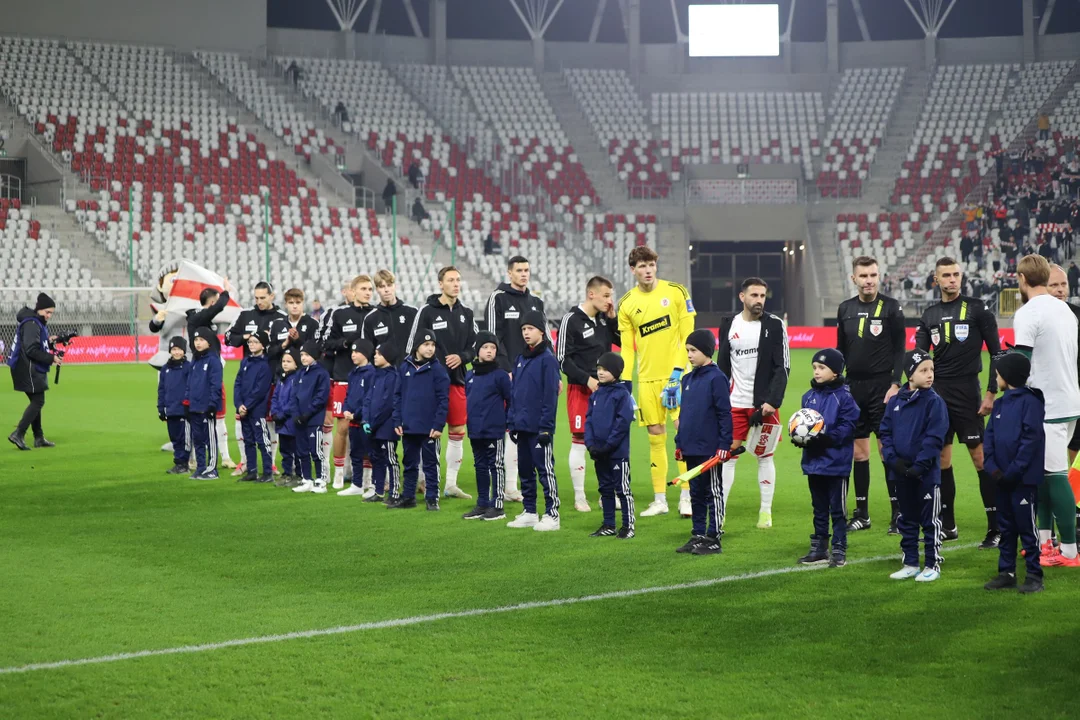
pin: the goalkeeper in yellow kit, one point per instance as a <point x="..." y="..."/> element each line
<point x="655" y="318"/>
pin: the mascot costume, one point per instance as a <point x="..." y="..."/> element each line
<point x="168" y="325"/>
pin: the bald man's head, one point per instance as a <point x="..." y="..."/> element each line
<point x="1059" y="283"/>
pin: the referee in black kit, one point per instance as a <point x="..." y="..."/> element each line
<point x="957" y="328"/>
<point x="870" y="333"/>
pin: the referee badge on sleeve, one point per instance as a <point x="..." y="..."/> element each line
<point x="875" y="327"/>
<point x="935" y="336"/>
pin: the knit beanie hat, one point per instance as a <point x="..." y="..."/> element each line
<point x="294" y="354"/>
<point x="913" y="360"/>
<point x="612" y="362"/>
<point x="178" y="342"/>
<point x="389" y="352"/>
<point x="703" y="340"/>
<point x="831" y="358"/>
<point x="424" y="336"/>
<point x="1014" y="369"/>
<point x="312" y="348"/>
<point x="262" y="336"/>
<point x="484" y="337"/>
<point x="534" y="318"/>
<point x="44" y="302"/>
<point x="364" y="347"/>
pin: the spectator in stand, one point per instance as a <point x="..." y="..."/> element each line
<point x="388" y="194"/>
<point x="1044" y="126"/>
<point x="490" y="246"/>
<point x="967" y="244"/>
<point x="415" y="175"/>
<point x="1074" y="280"/>
<point x="316" y="310"/>
<point x="341" y="115"/>
<point x="419" y="212"/>
<point x="293" y="73"/>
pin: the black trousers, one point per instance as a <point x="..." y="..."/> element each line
<point x="31" y="416"/>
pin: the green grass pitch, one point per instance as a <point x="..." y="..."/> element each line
<point x="102" y="553"/>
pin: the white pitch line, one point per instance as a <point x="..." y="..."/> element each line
<point x="420" y="619"/>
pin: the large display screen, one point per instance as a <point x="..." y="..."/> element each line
<point x="734" y="30"/>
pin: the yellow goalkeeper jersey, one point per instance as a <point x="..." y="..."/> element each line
<point x="654" y="327"/>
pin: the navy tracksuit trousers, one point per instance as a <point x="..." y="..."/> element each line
<point x="287" y="445"/>
<point x="828" y="495"/>
<point x="920" y="507"/>
<point x="309" y="452"/>
<point x="707" y="502"/>
<point x="613" y="477"/>
<point x="385" y="469"/>
<point x="359" y="448"/>
<point x="204" y="441"/>
<point x="490" y="477"/>
<point x="178" y="437"/>
<point x="535" y="459"/>
<point x="421" y="450"/>
<point x="256" y="443"/>
<point x="1016" y="518"/>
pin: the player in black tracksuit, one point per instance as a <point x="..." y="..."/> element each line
<point x="306" y="328"/>
<point x="957" y="328"/>
<point x="253" y="320"/>
<point x="871" y="335"/>
<point x="391" y="322"/>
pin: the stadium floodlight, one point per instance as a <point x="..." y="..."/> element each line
<point x="931" y="14"/>
<point x="346" y="12"/>
<point x="536" y="15"/>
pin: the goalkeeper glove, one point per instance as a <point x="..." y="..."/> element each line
<point x="367" y="428"/>
<point x="672" y="393"/>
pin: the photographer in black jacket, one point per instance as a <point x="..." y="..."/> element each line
<point x="31" y="358"/>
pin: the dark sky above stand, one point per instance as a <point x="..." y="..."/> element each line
<point x="496" y="19"/>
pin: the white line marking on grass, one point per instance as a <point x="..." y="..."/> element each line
<point x="420" y="619"/>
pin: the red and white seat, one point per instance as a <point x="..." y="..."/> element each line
<point x="512" y="101"/>
<point x="620" y="121"/>
<point x="288" y="123"/>
<point x="889" y="237"/>
<point x="737" y="127"/>
<point x="859" y="114"/>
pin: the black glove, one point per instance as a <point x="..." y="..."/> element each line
<point x="756" y="418"/>
<point x="997" y="476"/>
<point x="161" y="415"/>
<point x="302" y="419"/>
<point x="211" y="414"/>
<point x="278" y="419"/>
<point x="513" y="436"/>
<point x="900" y="467"/>
<point x="820" y="442"/>
<point x="914" y="473"/>
<point x="543" y="439"/>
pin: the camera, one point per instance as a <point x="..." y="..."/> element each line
<point x="58" y="348"/>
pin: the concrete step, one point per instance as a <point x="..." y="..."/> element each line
<point x="106" y="267"/>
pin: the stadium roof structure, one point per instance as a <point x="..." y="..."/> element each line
<point x="664" y="21"/>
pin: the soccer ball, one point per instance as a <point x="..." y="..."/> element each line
<point x="805" y="424"/>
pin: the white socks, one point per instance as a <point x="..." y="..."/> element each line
<point x="1044" y="536"/>
<point x="1068" y="550"/>
<point x="727" y="474"/>
<point x="239" y="429"/>
<point x="660" y="498"/>
<point x="272" y="427"/>
<point x="684" y="494"/>
<point x="455" y="451"/>
<point x="510" y="466"/>
<point x="577" y="469"/>
<point x="766" y="477"/>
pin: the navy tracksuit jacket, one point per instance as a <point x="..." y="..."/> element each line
<point x="827" y="468"/>
<point x="359" y="443"/>
<point x="913" y="431"/>
<point x="286" y="425"/>
<point x="1014" y="443"/>
<point x="378" y="413"/>
<point x="534" y="400"/>
<point x="705" y="428"/>
<point x="172" y="389"/>
<point x="420" y="406"/>
<point x="251" y="390"/>
<point x="203" y="401"/>
<point x="487" y="393"/>
<point x="307" y="408"/>
<point x="607" y="438"/>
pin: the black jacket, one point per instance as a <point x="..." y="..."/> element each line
<point x="344" y="328"/>
<point x="581" y="342"/>
<point x="455" y="334"/>
<point x="306" y="326"/>
<point x="205" y="318"/>
<point x="250" y="321"/>
<point x="30" y="373"/>
<point x="502" y="316"/>
<point x="773" y="360"/>
<point x="392" y="323"/>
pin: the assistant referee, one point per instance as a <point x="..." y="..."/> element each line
<point x="871" y="335"/>
<point x="957" y="328"/>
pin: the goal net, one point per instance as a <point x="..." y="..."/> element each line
<point x="110" y="324"/>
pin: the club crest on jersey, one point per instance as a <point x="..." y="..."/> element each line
<point x="962" y="331"/>
<point x="935" y="336"/>
<point x="648" y="328"/>
<point x="401" y="319"/>
<point x="689" y="305"/>
<point x="664" y="302"/>
<point x="875" y="327"/>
